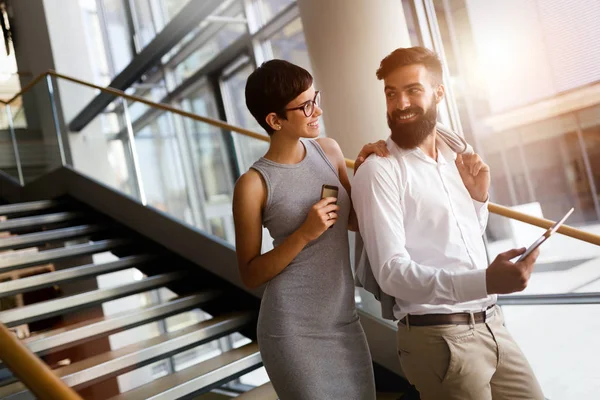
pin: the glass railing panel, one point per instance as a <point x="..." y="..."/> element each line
<point x="18" y="113"/>
<point x="102" y="150"/>
<point x="8" y="159"/>
<point x="166" y="178"/>
<point x="176" y="164"/>
<point x="32" y="120"/>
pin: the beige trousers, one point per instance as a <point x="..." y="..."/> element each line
<point x="463" y="362"/>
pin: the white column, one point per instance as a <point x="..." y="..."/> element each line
<point x="346" y="41"/>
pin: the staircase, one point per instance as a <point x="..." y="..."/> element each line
<point x="63" y="270"/>
<point x="118" y="316"/>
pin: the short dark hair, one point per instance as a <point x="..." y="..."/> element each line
<point x="272" y="86"/>
<point x="409" y="56"/>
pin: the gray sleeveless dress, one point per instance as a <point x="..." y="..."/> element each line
<point x="312" y="344"/>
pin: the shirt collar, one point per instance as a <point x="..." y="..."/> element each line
<point x="445" y="154"/>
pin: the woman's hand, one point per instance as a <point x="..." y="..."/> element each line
<point x="321" y="216"/>
<point x="379" y="148"/>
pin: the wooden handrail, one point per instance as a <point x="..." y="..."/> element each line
<point x="493" y="208"/>
<point x="531" y="220"/>
<point x="544" y="223"/>
<point x="30" y="370"/>
<point x="165" y="107"/>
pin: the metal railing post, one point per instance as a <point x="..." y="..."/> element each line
<point x="139" y="185"/>
<point x="61" y="147"/>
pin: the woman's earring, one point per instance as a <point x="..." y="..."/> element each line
<point x="277" y="127"/>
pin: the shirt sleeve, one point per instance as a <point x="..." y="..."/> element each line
<point x="376" y="197"/>
<point x="482" y="213"/>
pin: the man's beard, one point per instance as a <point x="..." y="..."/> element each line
<point x="409" y="135"/>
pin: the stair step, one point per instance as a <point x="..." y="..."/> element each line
<point x="38" y="238"/>
<point x="38" y="220"/>
<point x="74" y="335"/>
<point x="86" y="331"/>
<point x="263" y="392"/>
<point x="13" y="261"/>
<point x="47" y="309"/>
<point x="110" y="364"/>
<point x="9" y="209"/>
<point x="24" y="285"/>
<point x="199" y="378"/>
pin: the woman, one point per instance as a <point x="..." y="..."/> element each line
<point x="312" y="344"/>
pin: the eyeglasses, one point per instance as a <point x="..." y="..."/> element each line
<point x="308" y="107"/>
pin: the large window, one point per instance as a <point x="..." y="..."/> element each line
<point x="498" y="81"/>
<point x="289" y="44"/>
<point x="211" y="47"/>
<point x="270" y="8"/>
<point x="117" y="30"/>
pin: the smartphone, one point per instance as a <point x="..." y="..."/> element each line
<point x="329" y="191"/>
<point x="546" y="235"/>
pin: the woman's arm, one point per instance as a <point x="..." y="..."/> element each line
<point x="334" y="153"/>
<point x="249" y="198"/>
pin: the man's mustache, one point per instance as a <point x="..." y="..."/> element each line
<point x="397" y="114"/>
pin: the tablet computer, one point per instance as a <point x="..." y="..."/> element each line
<point x="546" y="235"/>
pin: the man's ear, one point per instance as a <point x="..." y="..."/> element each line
<point x="273" y="121"/>
<point x="440" y="91"/>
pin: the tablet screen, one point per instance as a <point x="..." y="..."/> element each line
<point x="546" y="235"/>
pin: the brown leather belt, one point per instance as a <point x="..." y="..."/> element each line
<point x="449" y="319"/>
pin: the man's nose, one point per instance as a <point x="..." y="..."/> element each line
<point x="403" y="102"/>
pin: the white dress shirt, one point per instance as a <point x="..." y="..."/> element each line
<point x="422" y="231"/>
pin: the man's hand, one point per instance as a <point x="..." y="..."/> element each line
<point x="475" y="175"/>
<point x="504" y="276"/>
<point x="379" y="148"/>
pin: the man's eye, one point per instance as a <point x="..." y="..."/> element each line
<point x="414" y="91"/>
<point x="390" y="95"/>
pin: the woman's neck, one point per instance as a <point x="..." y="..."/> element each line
<point x="285" y="150"/>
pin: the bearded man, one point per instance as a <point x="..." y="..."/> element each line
<point x="422" y="213"/>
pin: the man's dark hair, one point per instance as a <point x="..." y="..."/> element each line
<point x="409" y="56"/>
<point x="272" y="86"/>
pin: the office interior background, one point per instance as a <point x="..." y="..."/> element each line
<point x="523" y="87"/>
